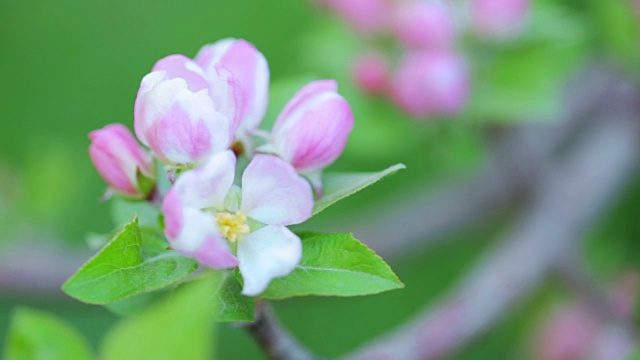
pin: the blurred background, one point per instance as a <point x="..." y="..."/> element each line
<point x="514" y="228"/>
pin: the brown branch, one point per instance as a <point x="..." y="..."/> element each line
<point x="275" y="340"/>
<point x="567" y="198"/>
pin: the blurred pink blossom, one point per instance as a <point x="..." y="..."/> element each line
<point x="120" y="160"/>
<point x="499" y="19"/>
<point x="366" y="16"/>
<point x="567" y="335"/>
<point x="424" y="24"/>
<point x="370" y="72"/>
<point x="431" y="83"/>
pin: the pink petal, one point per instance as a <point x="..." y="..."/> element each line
<point x="304" y="96"/>
<point x="268" y="253"/>
<point x="273" y="193"/>
<point x="118" y="158"/>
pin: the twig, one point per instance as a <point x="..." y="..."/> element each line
<point x="568" y="197"/>
<point x="275" y="340"/>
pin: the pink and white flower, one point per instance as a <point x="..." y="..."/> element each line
<point x="206" y="217"/>
<point x="251" y="70"/>
<point x="184" y="114"/>
<point x="312" y="130"/>
<point x="121" y="161"/>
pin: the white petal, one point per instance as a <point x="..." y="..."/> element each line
<point x="273" y="193"/>
<point x="208" y="185"/>
<point x="200" y="238"/>
<point x="268" y="253"/>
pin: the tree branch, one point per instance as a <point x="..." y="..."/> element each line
<point x="275" y="340"/>
<point x="566" y="199"/>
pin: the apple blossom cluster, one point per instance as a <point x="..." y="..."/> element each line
<point x="235" y="188"/>
<point x="431" y="78"/>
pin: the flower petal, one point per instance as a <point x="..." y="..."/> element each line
<point x="312" y="130"/>
<point x="118" y="158"/>
<point x="208" y="185"/>
<point x="179" y="125"/>
<point x="195" y="234"/>
<point x="303" y="96"/>
<point x="180" y="66"/>
<point x="250" y="67"/>
<point x="273" y="193"/>
<point x="268" y="253"/>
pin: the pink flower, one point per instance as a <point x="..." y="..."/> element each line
<point x="370" y="72"/>
<point x="366" y="16"/>
<point x="431" y="83"/>
<point x="421" y="24"/>
<point x="123" y="164"/>
<point x="205" y="213"/>
<point x="250" y="68"/>
<point x="184" y="114"/>
<point x="312" y="130"/>
<point x="499" y="19"/>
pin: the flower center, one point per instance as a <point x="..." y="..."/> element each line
<point x="232" y="225"/>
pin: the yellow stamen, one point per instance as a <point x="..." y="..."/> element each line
<point x="232" y="225"/>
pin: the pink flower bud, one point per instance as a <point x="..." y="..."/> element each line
<point x="424" y="24"/>
<point x="366" y="16"/>
<point x="123" y="164"/>
<point x="499" y="19"/>
<point x="370" y="72"/>
<point x="184" y="115"/>
<point x="250" y="68"/>
<point x="312" y="130"/>
<point x="431" y="83"/>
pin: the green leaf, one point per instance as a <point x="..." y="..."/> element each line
<point x="135" y="304"/>
<point x="233" y="305"/>
<point x="334" y="265"/>
<point x="182" y="327"/>
<point x="133" y="262"/>
<point x="37" y="335"/>
<point x="337" y="186"/>
<point x="122" y="210"/>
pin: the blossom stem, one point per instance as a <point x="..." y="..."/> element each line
<point x="275" y="340"/>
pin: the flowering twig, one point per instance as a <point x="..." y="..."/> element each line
<point x="568" y="197"/>
<point x="275" y="340"/>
